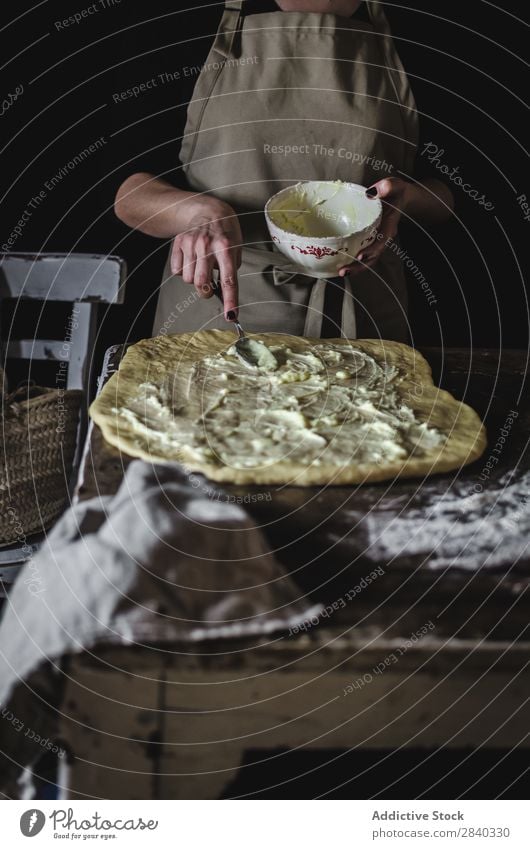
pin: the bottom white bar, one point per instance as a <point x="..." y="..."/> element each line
<point x="262" y="824"/>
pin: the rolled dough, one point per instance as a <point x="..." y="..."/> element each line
<point x="164" y="404"/>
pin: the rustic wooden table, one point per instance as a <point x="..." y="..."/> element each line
<point x="433" y="652"/>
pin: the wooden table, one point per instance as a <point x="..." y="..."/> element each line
<point x="168" y="723"/>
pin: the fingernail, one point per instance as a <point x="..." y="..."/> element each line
<point x="371" y="192"/>
<point x="359" y="257"/>
<point x="231" y="315"/>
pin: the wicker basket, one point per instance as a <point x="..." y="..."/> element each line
<point x="37" y="446"/>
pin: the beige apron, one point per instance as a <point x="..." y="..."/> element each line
<point x="283" y="97"/>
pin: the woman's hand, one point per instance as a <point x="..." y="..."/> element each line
<point x="205" y="231"/>
<point x="212" y="240"/>
<point x="394" y="192"/>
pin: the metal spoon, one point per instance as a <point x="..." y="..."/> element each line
<point x="251" y="352"/>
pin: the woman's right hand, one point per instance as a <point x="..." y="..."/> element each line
<point x="212" y="240"/>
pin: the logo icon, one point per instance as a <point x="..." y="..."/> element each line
<point x="32" y="822"/>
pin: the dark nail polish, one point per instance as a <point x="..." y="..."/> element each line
<point x="231" y="315"/>
<point x="371" y="192"/>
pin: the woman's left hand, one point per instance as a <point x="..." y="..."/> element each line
<point x="394" y="192"/>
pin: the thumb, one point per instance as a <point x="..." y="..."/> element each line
<point x="382" y="189"/>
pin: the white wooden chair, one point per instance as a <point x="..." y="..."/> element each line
<point x="84" y="281"/>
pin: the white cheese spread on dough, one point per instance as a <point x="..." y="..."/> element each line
<point x="329" y="404"/>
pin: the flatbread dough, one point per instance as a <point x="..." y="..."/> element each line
<point x="337" y="411"/>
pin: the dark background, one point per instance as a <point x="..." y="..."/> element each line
<point x="465" y="63"/>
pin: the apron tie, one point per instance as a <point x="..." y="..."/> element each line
<point x="315" y="307"/>
<point x="348" y="324"/>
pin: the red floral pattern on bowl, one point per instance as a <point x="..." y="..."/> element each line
<point x="315" y="251"/>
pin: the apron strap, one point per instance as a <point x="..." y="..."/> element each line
<point x="377" y="16"/>
<point x="283" y="276"/>
<point x="229" y="28"/>
<point x="348" y="324"/>
<point x="315" y="310"/>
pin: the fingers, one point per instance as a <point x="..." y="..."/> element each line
<point x="350" y="270"/>
<point x="382" y="189"/>
<point x="369" y="260"/>
<point x="389" y="189"/>
<point x="191" y="260"/>
<point x="183" y="258"/>
<point x="363" y="262"/>
<point x="228" y="278"/>
<point x="371" y="254"/>
<point x="204" y="263"/>
<point x="188" y="267"/>
<point x="203" y="276"/>
<point x="365" y="259"/>
<point x="195" y="255"/>
<point x="177" y="259"/>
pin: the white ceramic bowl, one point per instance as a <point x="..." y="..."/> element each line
<point x="321" y="225"/>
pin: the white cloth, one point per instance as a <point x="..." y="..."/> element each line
<point x="168" y="559"/>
